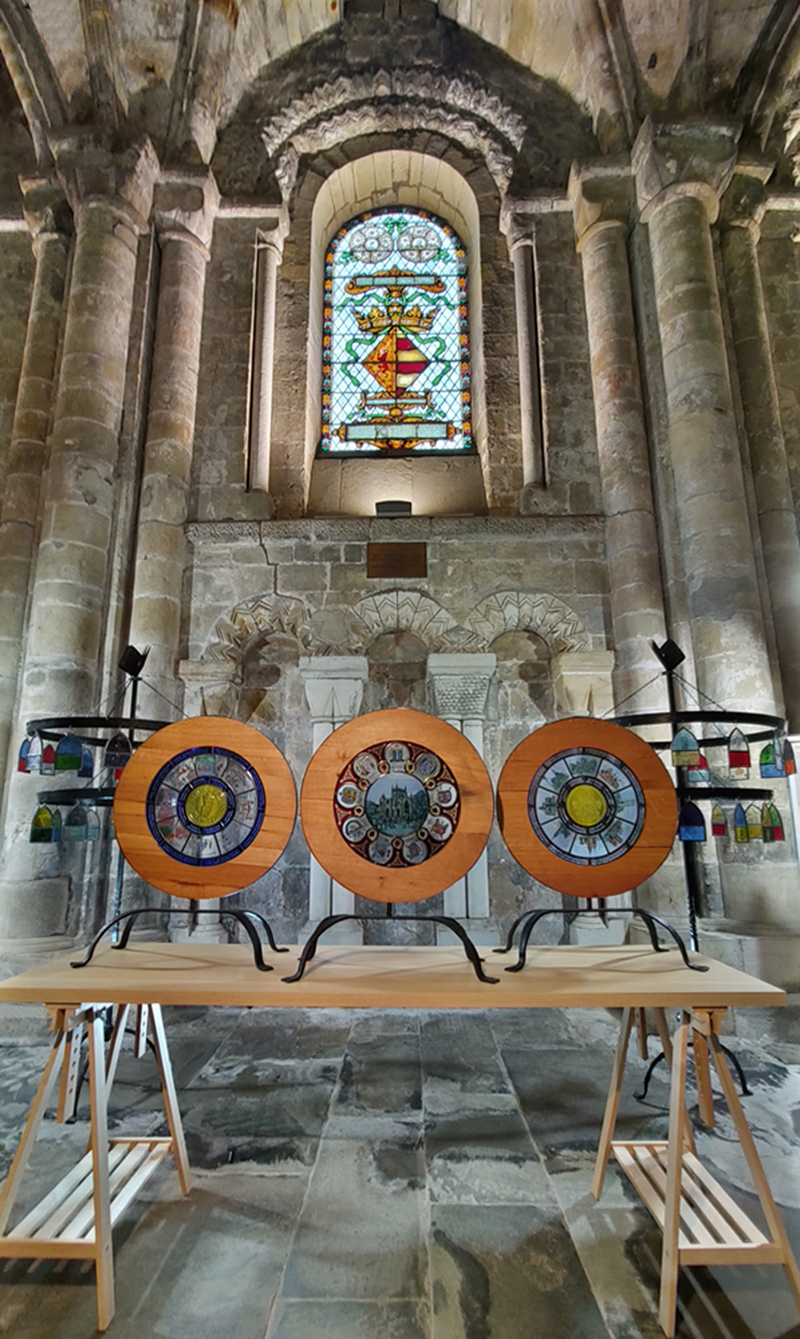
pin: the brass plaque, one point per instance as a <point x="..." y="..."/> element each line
<point x="397" y="560"/>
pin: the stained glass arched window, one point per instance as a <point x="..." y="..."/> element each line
<point x="395" y="336"/>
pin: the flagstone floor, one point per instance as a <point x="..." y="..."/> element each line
<point x="407" y="1175"/>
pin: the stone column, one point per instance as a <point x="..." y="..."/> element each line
<point x="601" y="200"/>
<point x="50" y="223"/>
<point x="460" y="686"/>
<point x="111" y="198"/>
<point x="742" y="207"/>
<point x="184" y="206"/>
<point x="679" y="173"/>
<point x="270" y="249"/>
<point x="334" y="689"/>
<point x="582" y="682"/>
<point x="520" y="246"/>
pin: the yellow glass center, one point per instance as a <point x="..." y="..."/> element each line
<point x="586" y="805"/>
<point x="206" y="805"/>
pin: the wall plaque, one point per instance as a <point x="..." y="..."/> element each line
<point x="397" y="560"/>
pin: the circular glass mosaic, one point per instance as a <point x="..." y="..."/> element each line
<point x="205" y="806"/>
<point x="419" y="242"/>
<point x="372" y="244"/>
<point x="396" y="804"/>
<point x="586" y="806"/>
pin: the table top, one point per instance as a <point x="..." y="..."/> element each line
<point x="390" y="978"/>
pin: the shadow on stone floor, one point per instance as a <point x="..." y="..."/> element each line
<point x="403" y="1176"/>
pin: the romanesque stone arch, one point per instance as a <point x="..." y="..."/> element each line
<point x="529" y="611"/>
<point x="267" y="613"/>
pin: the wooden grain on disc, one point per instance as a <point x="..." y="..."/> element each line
<point x="232" y="795"/>
<point x="350" y="786"/>
<point x="587" y="807"/>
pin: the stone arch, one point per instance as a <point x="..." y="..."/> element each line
<point x="235" y="632"/>
<point x="540" y="612"/>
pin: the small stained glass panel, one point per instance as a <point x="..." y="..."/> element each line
<point x="395" y="338"/>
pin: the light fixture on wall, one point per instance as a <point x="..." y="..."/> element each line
<point x="392" y="509"/>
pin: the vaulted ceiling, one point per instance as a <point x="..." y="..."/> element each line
<point x="163" y="65"/>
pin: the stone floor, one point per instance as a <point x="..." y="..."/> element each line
<point x="395" y="1176"/>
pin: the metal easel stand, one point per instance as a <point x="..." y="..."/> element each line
<point x="529" y="919"/>
<point x="241" y="915"/>
<point x="328" y="922"/>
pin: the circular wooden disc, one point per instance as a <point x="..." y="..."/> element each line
<point x="587" y="807"/>
<point x="233" y="797"/>
<point x="425" y="737"/>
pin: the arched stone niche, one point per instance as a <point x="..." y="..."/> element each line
<point x="433" y="486"/>
<point x="381" y="171"/>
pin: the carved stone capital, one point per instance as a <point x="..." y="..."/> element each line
<point x="744" y="201"/>
<point x="582" y="682"/>
<point x="91" y="174"/>
<point x="600" y="193"/>
<point x="460" y="683"/>
<point x="334" y="686"/>
<point x="695" y="158"/>
<point x="185" y="203"/>
<point x="45" y="209"/>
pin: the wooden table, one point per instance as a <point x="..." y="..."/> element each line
<point x="700" y="1223"/>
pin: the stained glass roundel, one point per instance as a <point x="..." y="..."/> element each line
<point x="396" y="805"/>
<point x="587" y="807"/>
<point x="204" y="807"/>
<point x="395" y="337"/>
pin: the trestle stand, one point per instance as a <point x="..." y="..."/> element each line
<point x="328" y="922"/>
<point x="241" y="915"/>
<point x="529" y="919"/>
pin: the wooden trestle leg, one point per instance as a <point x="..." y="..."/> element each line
<point x="75" y="1219"/>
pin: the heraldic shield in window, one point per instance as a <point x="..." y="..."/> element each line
<point x="395" y="362"/>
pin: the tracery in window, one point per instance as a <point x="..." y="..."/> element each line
<point x="395" y="338"/>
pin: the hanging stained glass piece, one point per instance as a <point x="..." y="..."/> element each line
<point x="42" y="825"/>
<point x="57" y="825"/>
<point x="772" y="823"/>
<point x="92" y="825"/>
<point x="48" y="766"/>
<point x="691" y="824"/>
<point x="22" y="759"/>
<point x="86" y="768"/>
<point x="75" y="824"/>
<point x="699" y="775"/>
<point x="685" y="749"/>
<point x="35" y="754"/>
<point x="68" y="754"/>
<point x="770" y="762"/>
<point x="719" y="823"/>
<point x="740" y="829"/>
<point x="789" y="763"/>
<point x="738" y="755"/>
<point x="117" y="754"/>
<point x="753" y="817"/>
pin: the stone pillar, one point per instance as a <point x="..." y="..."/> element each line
<point x="184" y="206"/>
<point x="742" y="207"/>
<point x="601" y="200"/>
<point x="679" y="173"/>
<point x="460" y="686"/>
<point x="111" y="198"/>
<point x="270" y="249"/>
<point x="334" y="689"/>
<point x="49" y="220"/>
<point x="521" y="249"/>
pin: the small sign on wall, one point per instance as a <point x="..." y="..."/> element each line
<point x="397" y="560"/>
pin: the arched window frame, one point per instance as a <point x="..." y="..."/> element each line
<point x="413" y="419"/>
